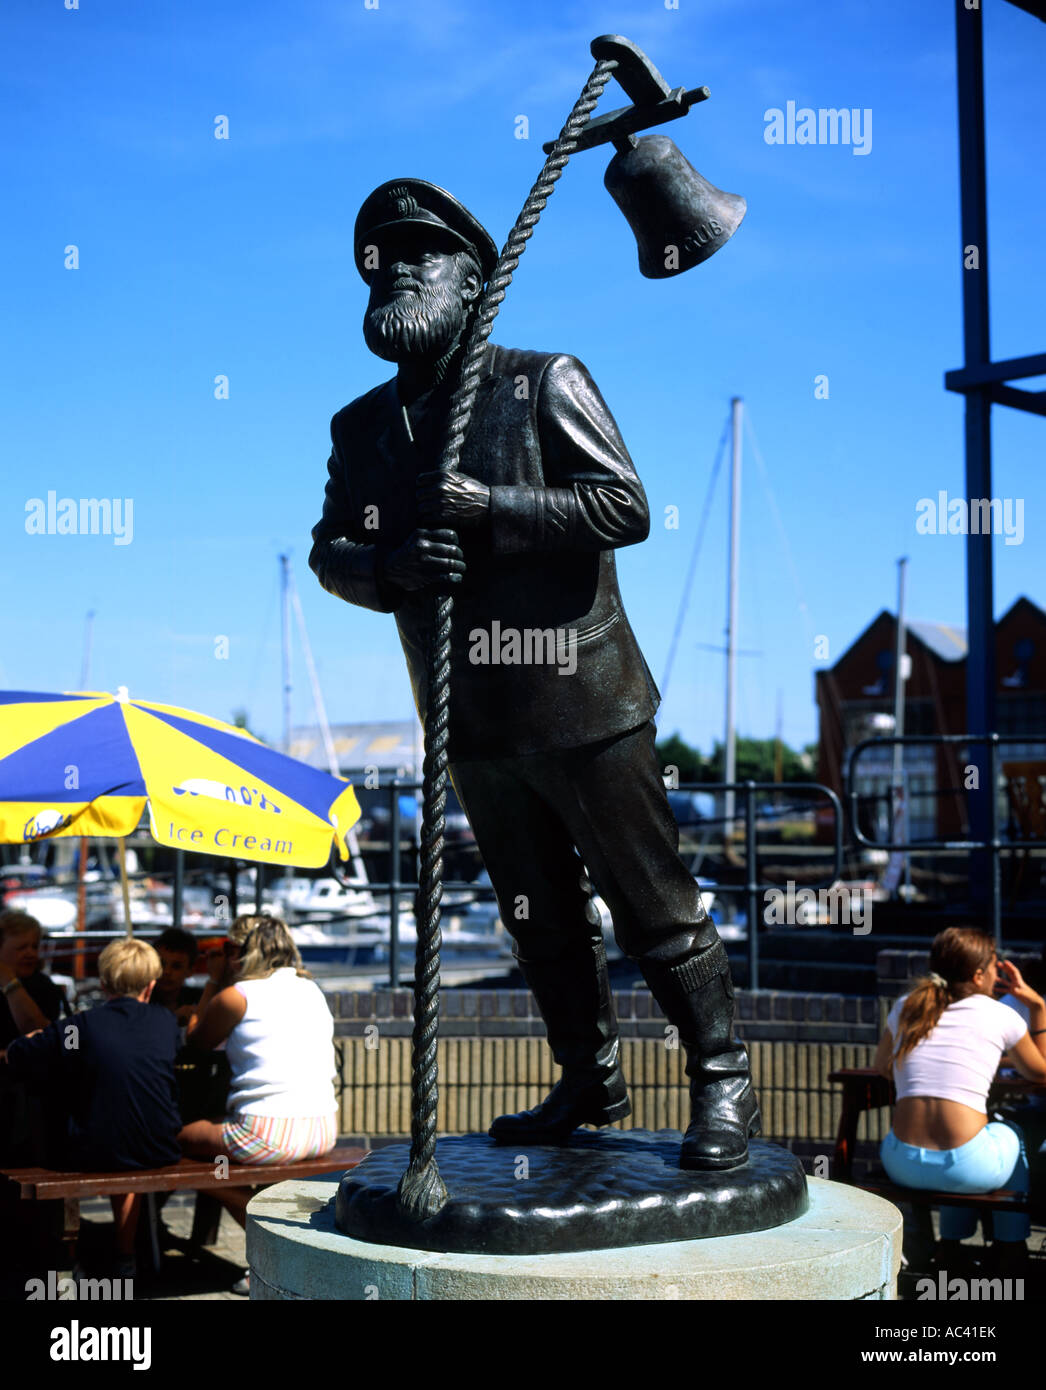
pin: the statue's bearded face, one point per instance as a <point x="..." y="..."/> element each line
<point x="419" y="301"/>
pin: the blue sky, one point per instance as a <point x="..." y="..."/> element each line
<point x="201" y="257"/>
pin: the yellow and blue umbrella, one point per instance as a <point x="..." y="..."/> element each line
<point x="88" y="763"/>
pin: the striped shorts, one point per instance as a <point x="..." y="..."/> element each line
<point x="272" y="1139"/>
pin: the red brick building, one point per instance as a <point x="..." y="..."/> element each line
<point x="861" y="685"/>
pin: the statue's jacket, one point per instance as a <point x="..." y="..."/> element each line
<point x="563" y="495"/>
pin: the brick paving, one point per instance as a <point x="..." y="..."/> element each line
<point x="203" y="1274"/>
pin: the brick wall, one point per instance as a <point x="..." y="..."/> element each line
<point x="481" y="1077"/>
<point x="762" y="1015"/>
<point x="896" y="970"/>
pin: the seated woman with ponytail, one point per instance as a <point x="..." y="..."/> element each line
<point x="943" y="1044"/>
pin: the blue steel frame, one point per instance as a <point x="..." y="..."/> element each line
<point x="983" y="383"/>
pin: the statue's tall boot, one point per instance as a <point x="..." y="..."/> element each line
<point x="696" y="994"/>
<point x="573" y="994"/>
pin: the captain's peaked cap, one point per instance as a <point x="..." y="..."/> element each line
<point x="415" y="203"/>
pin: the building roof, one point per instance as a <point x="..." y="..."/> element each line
<point x="387" y="744"/>
<point x="947" y="642"/>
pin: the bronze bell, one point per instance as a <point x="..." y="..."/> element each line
<point x="678" y="217"/>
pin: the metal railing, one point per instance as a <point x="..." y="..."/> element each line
<point x="752" y="890"/>
<point x="992" y="844"/>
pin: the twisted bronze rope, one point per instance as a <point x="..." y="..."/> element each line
<point x="421" y="1191"/>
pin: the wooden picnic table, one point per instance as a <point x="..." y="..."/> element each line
<point x="192" y="1174"/>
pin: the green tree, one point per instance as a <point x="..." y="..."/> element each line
<point x="754" y="759"/>
<point x="674" y="752"/>
<point x="239" y="721"/>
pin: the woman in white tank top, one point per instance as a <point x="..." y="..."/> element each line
<point x="279" y="1037"/>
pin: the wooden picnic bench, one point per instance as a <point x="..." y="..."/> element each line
<point x="193" y="1174"/>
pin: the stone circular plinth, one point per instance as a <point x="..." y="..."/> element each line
<point x="846" y="1245"/>
<point x="599" y="1190"/>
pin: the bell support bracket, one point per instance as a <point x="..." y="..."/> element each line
<point x="653" y="101"/>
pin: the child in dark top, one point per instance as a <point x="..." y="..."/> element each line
<point x="178" y="950"/>
<point x="114" y="1068"/>
<point x="29" y="999"/>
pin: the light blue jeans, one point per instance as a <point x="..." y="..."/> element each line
<point x="992" y="1159"/>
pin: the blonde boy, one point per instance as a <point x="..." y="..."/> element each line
<point x="113" y="1069"/>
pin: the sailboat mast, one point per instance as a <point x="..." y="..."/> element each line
<point x="899" y="674"/>
<point x="81" y="858"/>
<point x="285" y="613"/>
<point x="899" y="678"/>
<point x="314" y="680"/>
<point x="358" y="868"/>
<point x="729" y="741"/>
<point x="85" y="665"/>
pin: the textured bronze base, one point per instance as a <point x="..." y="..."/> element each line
<point x="602" y="1189"/>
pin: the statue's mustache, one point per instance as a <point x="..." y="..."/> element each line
<point x="406" y="299"/>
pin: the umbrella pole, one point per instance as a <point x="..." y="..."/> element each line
<point x="81" y="908"/>
<point x="124" y="889"/>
